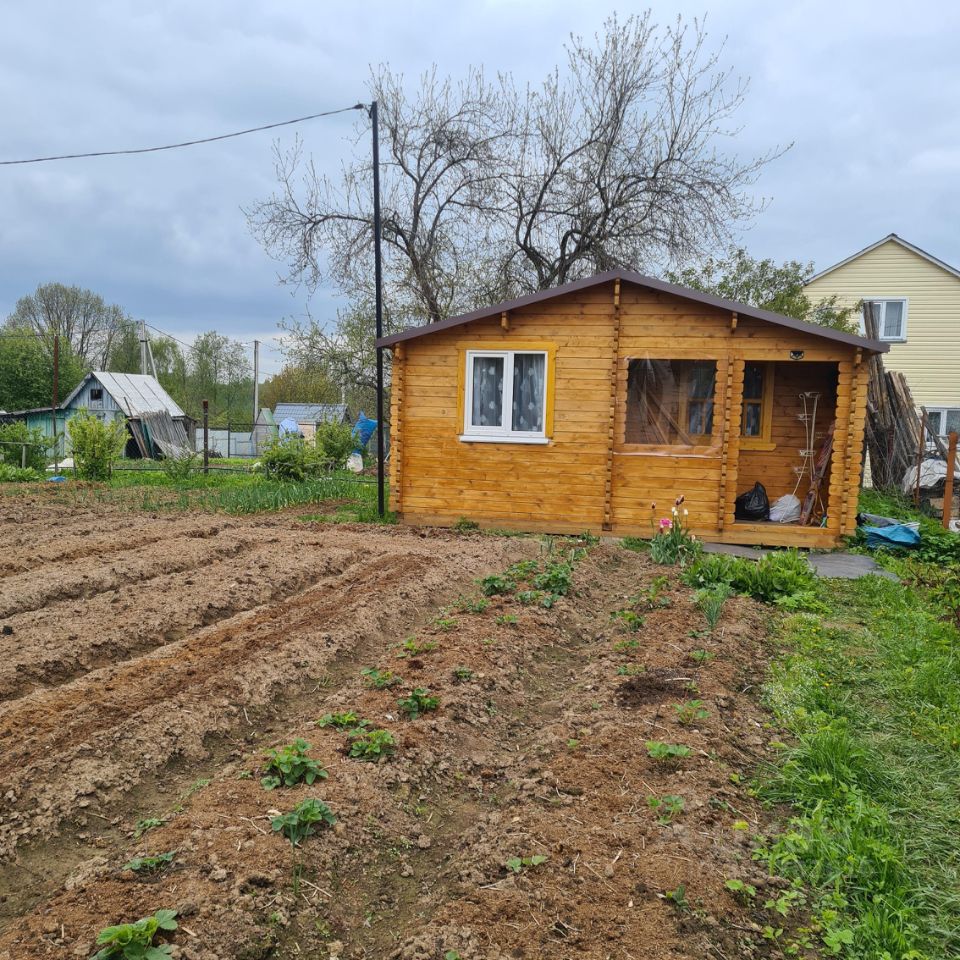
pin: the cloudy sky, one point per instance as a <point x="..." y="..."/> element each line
<point x="866" y="90"/>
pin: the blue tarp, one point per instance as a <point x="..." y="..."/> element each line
<point x="287" y="425"/>
<point x="363" y="431"/>
<point x="896" y="535"/>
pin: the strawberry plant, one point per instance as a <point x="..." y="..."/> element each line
<point x="347" y="720"/>
<point x="302" y="821"/>
<point x="134" y="941"/>
<point x="419" y="701"/>
<point x="519" y="864"/>
<point x="626" y="645"/>
<point x="506" y="619"/>
<point x="371" y="745"/>
<point x="150" y="865"/>
<point x="472" y="604"/>
<point x="631" y="670"/>
<point x="667" y="752"/>
<point x="700" y="656"/>
<point x="628" y="619"/>
<point x="380" y="679"/>
<point x="678" y="898"/>
<point x="651" y="596"/>
<point x="412" y="647"/>
<point x="741" y="890"/>
<point x="148" y="823"/>
<point x="462" y="674"/>
<point x="690" y="712"/>
<point x="666" y="807"/>
<point x="496" y="585"/>
<point x="290" y="765"/>
<point x="556" y="579"/>
<point x="446" y="624"/>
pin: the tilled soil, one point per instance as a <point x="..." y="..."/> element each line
<point x="146" y="679"/>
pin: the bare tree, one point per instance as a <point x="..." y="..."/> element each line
<point x="620" y="160"/>
<point x="78" y="316"/>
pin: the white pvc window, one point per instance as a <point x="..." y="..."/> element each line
<point x="506" y="396"/>
<point x="891" y="318"/>
<point x="943" y="421"/>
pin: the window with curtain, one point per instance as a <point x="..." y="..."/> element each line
<point x="670" y="402"/>
<point x="506" y="392"/>
<point x="756" y="414"/>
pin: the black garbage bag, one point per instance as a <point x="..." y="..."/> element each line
<point x="752" y="505"/>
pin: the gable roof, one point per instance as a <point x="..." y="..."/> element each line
<point x="890" y="237"/>
<point x="134" y="393"/>
<point x="628" y="276"/>
<point x="311" y="412"/>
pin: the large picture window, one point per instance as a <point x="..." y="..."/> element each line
<point x="506" y="395"/>
<point x="670" y="402"/>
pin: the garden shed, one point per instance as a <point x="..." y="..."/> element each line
<point x="594" y="405"/>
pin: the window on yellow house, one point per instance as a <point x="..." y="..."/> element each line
<point x="757" y="414"/>
<point x="670" y="402"/>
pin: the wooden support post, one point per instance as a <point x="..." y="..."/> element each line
<point x="948" y="487"/>
<point x="611" y="425"/>
<point x="206" y="436"/>
<point x="921" y="446"/>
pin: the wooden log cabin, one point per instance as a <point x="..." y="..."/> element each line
<point x="577" y="408"/>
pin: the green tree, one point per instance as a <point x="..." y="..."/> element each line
<point x="299" y="383"/>
<point x="80" y="317"/>
<point x="767" y="285"/>
<point x="26" y="371"/>
<point x="219" y="370"/>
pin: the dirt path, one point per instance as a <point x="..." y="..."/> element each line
<point x="538" y="749"/>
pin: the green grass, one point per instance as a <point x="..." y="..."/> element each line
<point x="870" y="691"/>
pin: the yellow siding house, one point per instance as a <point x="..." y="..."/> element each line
<point x="919" y="308"/>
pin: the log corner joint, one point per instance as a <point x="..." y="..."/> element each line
<point x="505" y="320"/>
<point x="616" y="292"/>
<point x="733" y="322"/>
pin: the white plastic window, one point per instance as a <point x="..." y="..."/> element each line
<point x="506" y="395"/>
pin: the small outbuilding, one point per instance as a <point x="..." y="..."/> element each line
<point x="308" y="416"/>
<point x="594" y="405"/>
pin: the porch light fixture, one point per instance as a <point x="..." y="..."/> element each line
<point x="796" y="354"/>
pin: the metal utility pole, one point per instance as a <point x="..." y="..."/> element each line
<point x="378" y="280"/>
<point x="143" y="347"/>
<point x="256" y="383"/>
<point x="56" y="400"/>
<point x="153" y="363"/>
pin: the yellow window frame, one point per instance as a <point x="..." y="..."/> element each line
<point x="764" y="441"/>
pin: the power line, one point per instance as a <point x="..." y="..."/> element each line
<point x="185" y="143"/>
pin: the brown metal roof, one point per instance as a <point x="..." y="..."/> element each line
<point x="627" y="276"/>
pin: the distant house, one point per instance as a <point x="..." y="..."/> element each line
<point x="917" y="297"/>
<point x="308" y="416"/>
<point x="157" y="424"/>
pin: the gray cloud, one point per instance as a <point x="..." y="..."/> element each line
<point x="866" y="91"/>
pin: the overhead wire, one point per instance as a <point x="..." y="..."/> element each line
<point x="183" y="143"/>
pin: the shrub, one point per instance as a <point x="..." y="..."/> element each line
<point x="134" y="941"/>
<point x="11" y="453"/>
<point x="290" y="765"/>
<point x="334" y="442"/>
<point x="290" y="458"/>
<point x="180" y="466"/>
<point x="95" y="444"/>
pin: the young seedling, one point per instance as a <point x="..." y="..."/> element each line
<point x="380" y="679"/>
<point x="418" y="702"/>
<point x="690" y="712"/>
<point x="678" y="898"/>
<point x="445" y="624"/>
<point x="506" y="619"/>
<point x="290" y="765"/>
<point x="519" y="864"/>
<point x="134" y="941"/>
<point x="347" y="720"/>
<point x="628" y="619"/>
<point x="744" y="892"/>
<point x="651" y="596"/>
<point x="148" y="823"/>
<point x="412" y="647"/>
<point x="462" y="674"/>
<point x="472" y="604"/>
<point x="371" y="745"/>
<point x="667" y="752"/>
<point x="150" y="865"/>
<point x="631" y="670"/>
<point x="666" y="807"/>
<point x="700" y="656"/>
<point x="626" y="645"/>
<point x="300" y="823"/>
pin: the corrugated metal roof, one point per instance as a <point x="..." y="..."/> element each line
<point x="311" y="412"/>
<point x="135" y="393"/>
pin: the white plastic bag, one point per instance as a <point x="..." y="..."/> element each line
<point x="355" y="463"/>
<point x="786" y="509"/>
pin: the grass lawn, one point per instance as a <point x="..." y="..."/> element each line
<point x="868" y="686"/>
